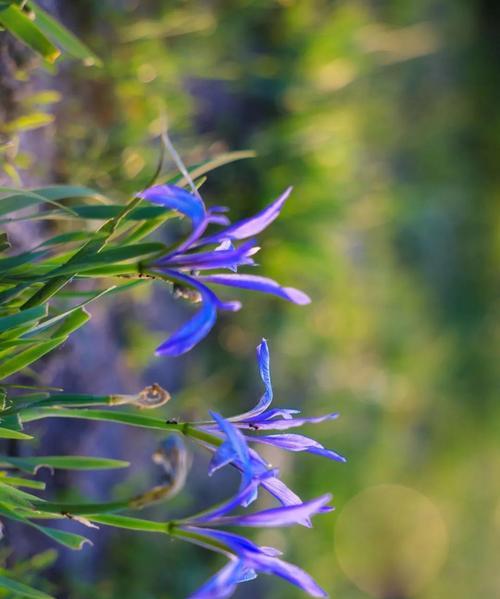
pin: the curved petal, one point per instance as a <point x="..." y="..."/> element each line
<point x="198" y="327"/>
<point x="249" y="227"/>
<point x="285" y="413"/>
<point x="178" y="199"/>
<point x="186" y="203"/>
<point x="265" y="374"/>
<point x="258" y="283"/>
<point x="191" y="333"/>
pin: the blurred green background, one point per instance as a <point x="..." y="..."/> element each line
<point x="383" y="115"/>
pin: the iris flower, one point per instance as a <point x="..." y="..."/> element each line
<point x="233" y="436"/>
<point x="206" y="253"/>
<point x="247" y="559"/>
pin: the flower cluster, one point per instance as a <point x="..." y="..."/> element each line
<point x="200" y="260"/>
<point x="230" y="441"/>
<point x="201" y="253"/>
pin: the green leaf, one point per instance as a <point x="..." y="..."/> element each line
<point x="79" y="400"/>
<point x="94" y="245"/>
<point x="66" y="192"/>
<point x="23" y="198"/>
<point x="17" y="481"/>
<point x="7" y="433"/>
<point x="19" y="24"/>
<point x="109" y="257"/>
<point x="33" y="464"/>
<point x="216" y="162"/>
<point x="55" y="319"/>
<point x="23" y="317"/>
<point x="130" y="523"/>
<point x="110" y="210"/>
<point x="21" y="589"/>
<point x="28" y="356"/>
<point x="62" y="37"/>
<point x="68" y="539"/>
<point x="65" y="238"/>
<point x="15" y="497"/>
<point x="73" y="322"/>
<point x="7" y="264"/>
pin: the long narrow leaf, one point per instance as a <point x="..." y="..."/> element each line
<point x="28" y="356"/>
<point x="20" y="589"/>
<point x="22" y="317"/>
<point x="63" y="37"/>
<point x="20" y="25"/>
<point x="33" y="464"/>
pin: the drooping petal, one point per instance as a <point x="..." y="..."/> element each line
<point x="223" y="584"/>
<point x="257" y="283"/>
<point x="178" y="199"/>
<point x="190" y="334"/>
<point x="200" y="324"/>
<point x="249" y="227"/>
<point x="277" y="517"/>
<point x="293" y="442"/>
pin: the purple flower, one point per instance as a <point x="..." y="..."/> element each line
<point x="198" y="253"/>
<point x="234" y="434"/>
<point x="246" y="558"/>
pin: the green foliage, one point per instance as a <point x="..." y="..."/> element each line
<point x="36" y="317"/>
<point x="42" y="33"/>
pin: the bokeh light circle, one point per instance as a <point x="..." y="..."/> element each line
<point x="391" y="541"/>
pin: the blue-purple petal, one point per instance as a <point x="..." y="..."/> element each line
<point x="227" y="506"/>
<point x="289" y="572"/>
<point x="257" y="283"/>
<point x="264" y="560"/>
<point x="223" y="584"/>
<point x="263" y="361"/>
<point x="277" y="517"/>
<point x="198" y="327"/>
<point x="234" y="448"/>
<point x="293" y="442"/>
<point x="217" y="258"/>
<point x="286" y="423"/>
<point x="178" y="199"/>
<point x="254" y="225"/>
